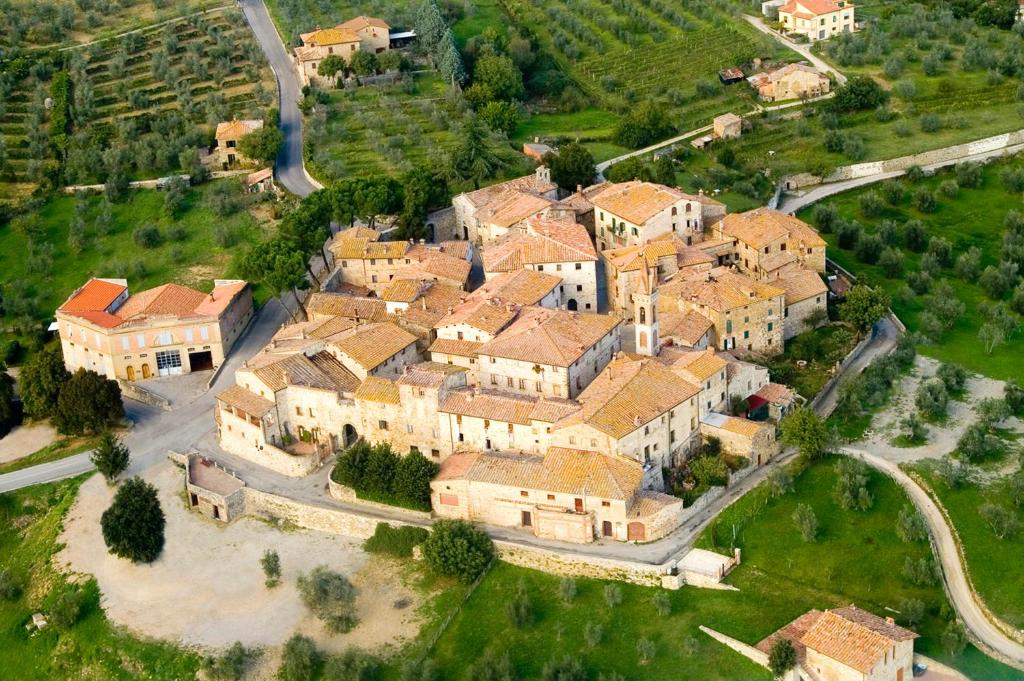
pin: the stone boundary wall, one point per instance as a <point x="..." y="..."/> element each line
<point x="348" y="495"/>
<point x="577" y="565"/>
<point x="747" y="651"/>
<point x="311" y="517"/>
<point x="140" y="394"/>
<point x="857" y="351"/>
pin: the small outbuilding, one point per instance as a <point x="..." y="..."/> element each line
<point x="727" y="126"/>
<point x="730" y="76"/>
<point x="260" y="181"/>
<point x="212" y="490"/>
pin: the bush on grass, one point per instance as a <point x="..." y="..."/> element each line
<point x="397" y="541"/>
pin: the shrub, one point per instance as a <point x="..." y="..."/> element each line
<point x="930" y="123"/>
<point x="110" y="456"/>
<point x="67" y="609"/>
<point x="133" y="525"/>
<point x="662" y="603"/>
<point x="1013" y="393"/>
<point x="949" y="188"/>
<point x="270" y="563"/>
<point x="910" y="525"/>
<point x="10" y="585"/>
<point x="931" y="399"/>
<point x="567" y="589"/>
<point x="593" y="632"/>
<point x="780" y="482"/>
<point x="968" y="264"/>
<point x="894" y="192"/>
<point x="299" y="659"/>
<point x="920" y="572"/>
<point x="147" y="236"/>
<point x="395" y="541"/>
<point x="1001" y="520"/>
<point x="968" y="174"/>
<point x="458" y="549"/>
<point x="925" y="201"/>
<point x="710" y="471"/>
<point x="952" y="473"/>
<point x="519" y="608"/>
<point x="851" y="488"/>
<point x="942" y="249"/>
<point x="612" y="595"/>
<point x="890" y="232"/>
<point x="232" y="664"/>
<point x="352" y="665"/>
<point x="331" y="597"/>
<point x="912" y="611"/>
<point x="377" y="473"/>
<point x="891" y="262"/>
<point x="492" y="667"/>
<point x="848" y="234"/>
<point x="869" y="248"/>
<point x="825" y="216"/>
<point x="915" y="174"/>
<point x="645" y="649"/>
<point x="806" y="522"/>
<point x="954" y="639"/>
<point x="781" y="657"/>
<point x="565" y="668"/>
<point x="953" y="376"/>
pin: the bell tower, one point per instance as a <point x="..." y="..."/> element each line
<point x="645" y="314"/>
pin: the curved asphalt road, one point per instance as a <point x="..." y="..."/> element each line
<point x="959" y="589"/>
<point x="289" y="168"/>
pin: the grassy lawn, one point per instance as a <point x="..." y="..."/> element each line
<point x="994" y="563"/>
<point x="197" y="248"/>
<point x="590" y="123"/>
<point x="61" y="449"/>
<point x="857" y="558"/>
<point x="30" y="523"/>
<point x="974" y="218"/>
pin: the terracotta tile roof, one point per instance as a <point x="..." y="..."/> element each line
<point x="356" y="233"/>
<point x="720" y="289"/>
<point x="218" y="300"/>
<point x="329" y="36"/>
<point x="649" y="502"/>
<point x="456" y="249"/>
<point x="169" y="299"/>
<point x="542" y="241"/>
<point x="551" y="337"/>
<point x="553" y="409"/>
<point x="689" y="327"/>
<point x="802" y="285"/>
<point x="95" y="296"/>
<point x="402" y="291"/>
<point x="637" y="202"/>
<point x="373" y="344"/>
<point x="789" y="69"/>
<point x="481" y="198"/>
<point x="432" y="305"/>
<point x="258" y="176"/>
<point x="633" y="258"/>
<point x="240" y="398"/>
<point x="230" y="130"/>
<point x="854" y="637"/>
<point x="793" y="632"/>
<point x="300" y="333"/>
<point x="734" y="424"/>
<point x="451" y="346"/>
<point x="320" y="371"/>
<point x="814" y="7"/>
<point x="776" y="393"/>
<point x="629" y="393"/>
<point x="340" y="305"/>
<point x="377" y="389"/>
<point x="512" y="208"/>
<point x="484" y="315"/>
<point x="761" y="226"/>
<point x="362" y="22"/>
<point x="523" y="287"/>
<point x="560" y="470"/>
<point x="428" y="374"/>
<point x="775" y="261"/>
<point x="701" y="364"/>
<point x="436" y="265"/>
<point x="489" y="404"/>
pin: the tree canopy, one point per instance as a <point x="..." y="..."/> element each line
<point x="643" y="125"/>
<point x="860" y="93"/>
<point x="571" y="166"/>
<point x="133" y="525"/>
<point x="263" y="144"/>
<point x="87" y="403"/>
<point x="110" y="456"/>
<point x="40" y="381"/>
<point x="806" y="431"/>
<point x="864" y="306"/>
<point x="457" y="548"/>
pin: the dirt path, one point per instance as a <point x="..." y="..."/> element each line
<point x="207" y="588"/>
<point x="24" y="440"/>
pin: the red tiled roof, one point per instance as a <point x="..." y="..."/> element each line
<point x="95" y="296"/>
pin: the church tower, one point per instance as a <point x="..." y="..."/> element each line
<point x="645" y="313"/>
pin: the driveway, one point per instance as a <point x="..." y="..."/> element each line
<point x="970" y="611"/>
<point x="803" y="50"/>
<point x="290" y="169"/>
<point x="156" y="431"/>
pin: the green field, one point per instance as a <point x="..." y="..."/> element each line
<point x="196" y="248"/>
<point x="974" y="218"/>
<point x="995" y="568"/>
<point x="857" y="559"/>
<point x="30" y="524"/>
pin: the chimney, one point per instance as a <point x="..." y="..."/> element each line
<point x="285" y="377"/>
<point x="736" y="555"/>
<point x="890" y="621"/>
<point x="536" y="139"/>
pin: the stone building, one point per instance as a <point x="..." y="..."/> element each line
<point x="344" y="40"/>
<point x="560" y="248"/>
<point x="625" y="268"/>
<point x="226" y="139"/>
<point x="746" y="315"/>
<point x="752" y="440"/>
<point x="817" y="19"/>
<point x="770" y="244"/>
<point x="806" y="301"/>
<point x="636" y="408"/>
<point x="213" y="491"/>
<point x="792" y="81"/>
<point x="847" y="644"/>
<point x="163" y="331"/>
<point x="548" y="352"/>
<point x="634" y="213"/>
<point x="727" y="126"/>
<point x="566" y="494"/>
<point x="485" y="214"/>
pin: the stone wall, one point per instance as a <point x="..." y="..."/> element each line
<point x="747" y="651"/>
<point x="574" y="565"/>
<point x="310" y="516"/>
<point x="444" y="224"/>
<point x="139" y="394"/>
<point x="348" y="495"/>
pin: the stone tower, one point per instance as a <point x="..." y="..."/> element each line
<point x="645" y="313"/>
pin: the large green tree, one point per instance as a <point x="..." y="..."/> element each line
<point x="110" y="456"/>
<point x="457" y="548"/>
<point x="571" y="166"/>
<point x="278" y="263"/>
<point x="473" y="158"/>
<point x="864" y="306"/>
<point x="644" y="125"/>
<point x="806" y="431"/>
<point x="501" y="75"/>
<point x="7" y="409"/>
<point x="263" y="144"/>
<point x="133" y="525"/>
<point x="88" y="403"/>
<point x="40" y="381"/>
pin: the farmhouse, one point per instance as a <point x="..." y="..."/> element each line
<point x="817" y="19"/>
<point x="560" y="248"/>
<point x="227" y="136"/>
<point x="633" y="213"/>
<point x="163" y="331"/>
<point x="343" y="41"/>
<point x="847" y="644"/>
<point x="566" y="494"/>
<point x="793" y="81"/>
<point x="746" y="315"/>
<point x="548" y="352"/>
<point x="483" y="215"/>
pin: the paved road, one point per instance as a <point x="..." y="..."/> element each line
<point x="793" y="203"/>
<point x="803" y="50"/>
<point x="290" y="169"/>
<point x="987" y="634"/>
<point x="155" y="431"/>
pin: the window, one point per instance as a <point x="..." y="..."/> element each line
<point x="522" y="383"/>
<point x="204" y="332"/>
<point x="310" y="412"/>
<point x="551" y="497"/>
<point x="188" y="335"/>
<point x="494" y="380"/>
<point x="125" y="343"/>
<point x="165" y="338"/>
<point x="746" y="334"/>
<point x="675" y="210"/>
<point x="382" y="424"/>
<point x="558" y="267"/>
<point x="298" y="411"/>
<point x="140" y="340"/>
<point x="579" y="266"/>
<point x="771" y="325"/>
<point x="509" y="379"/>
<point x="606" y="504"/>
<point x="540" y="268"/>
<point x="579" y="287"/>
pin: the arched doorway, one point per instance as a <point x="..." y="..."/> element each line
<point x="643" y="341"/>
<point x="572" y="304"/>
<point x="146" y="373"/>
<point x="349" y="435"/>
<point x="635" y="532"/>
<point x="131" y="373"/>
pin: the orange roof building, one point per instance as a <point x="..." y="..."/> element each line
<point x="343" y="41"/>
<point x="483" y="215"/>
<point x="633" y="213"/>
<point x="817" y="19"/>
<point x="167" y="330"/>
